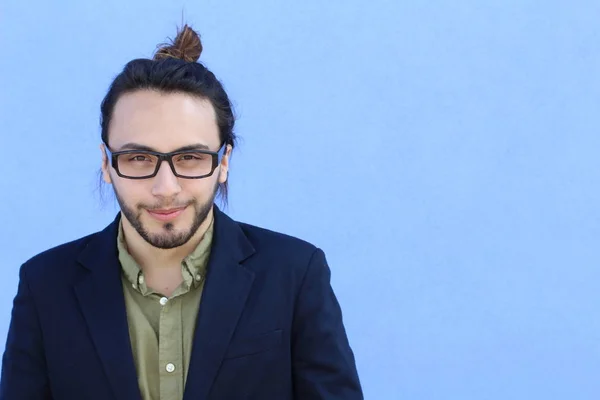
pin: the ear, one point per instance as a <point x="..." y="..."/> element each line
<point x="105" y="165"/>
<point x="223" y="171"/>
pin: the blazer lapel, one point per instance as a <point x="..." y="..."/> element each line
<point x="227" y="286"/>
<point x="102" y="302"/>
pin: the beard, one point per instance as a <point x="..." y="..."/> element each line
<point x="169" y="237"/>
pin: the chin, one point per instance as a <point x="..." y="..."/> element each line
<point x="168" y="235"/>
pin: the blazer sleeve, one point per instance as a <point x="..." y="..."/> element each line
<point x="323" y="362"/>
<point x="24" y="375"/>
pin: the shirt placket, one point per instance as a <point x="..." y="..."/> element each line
<point x="170" y="356"/>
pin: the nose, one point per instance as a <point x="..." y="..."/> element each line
<point x="165" y="184"/>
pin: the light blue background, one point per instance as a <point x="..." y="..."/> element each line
<point x="442" y="153"/>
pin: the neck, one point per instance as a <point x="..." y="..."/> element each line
<point x="150" y="258"/>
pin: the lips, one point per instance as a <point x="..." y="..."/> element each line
<point x="166" y="214"/>
<point x="171" y="211"/>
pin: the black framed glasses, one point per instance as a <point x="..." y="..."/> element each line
<point x="144" y="164"/>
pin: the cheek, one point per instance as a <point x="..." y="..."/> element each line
<point x="133" y="192"/>
<point x="200" y="189"/>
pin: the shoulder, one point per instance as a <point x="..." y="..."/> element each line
<point x="283" y="262"/>
<point x="280" y="255"/>
<point x="277" y="243"/>
<point x="54" y="262"/>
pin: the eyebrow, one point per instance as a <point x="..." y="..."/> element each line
<point x="137" y="146"/>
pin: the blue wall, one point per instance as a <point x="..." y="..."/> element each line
<point x="443" y="154"/>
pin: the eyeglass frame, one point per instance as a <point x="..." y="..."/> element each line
<point x="217" y="156"/>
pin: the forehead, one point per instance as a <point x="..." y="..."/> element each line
<point x="163" y="121"/>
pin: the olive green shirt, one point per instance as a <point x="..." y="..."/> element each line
<point x="161" y="329"/>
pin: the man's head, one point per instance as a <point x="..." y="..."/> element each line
<point x="167" y="133"/>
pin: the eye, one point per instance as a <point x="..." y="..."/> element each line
<point x="191" y="157"/>
<point x="138" y="158"/>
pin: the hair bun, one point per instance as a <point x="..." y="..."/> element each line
<point x="186" y="46"/>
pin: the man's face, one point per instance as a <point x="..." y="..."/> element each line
<point x="164" y="210"/>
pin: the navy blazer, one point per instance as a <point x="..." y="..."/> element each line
<point x="269" y="325"/>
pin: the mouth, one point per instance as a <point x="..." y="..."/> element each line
<point x="166" y="214"/>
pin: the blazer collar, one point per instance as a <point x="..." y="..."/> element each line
<point x="102" y="302"/>
<point x="228" y="284"/>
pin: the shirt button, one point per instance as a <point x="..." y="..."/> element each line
<point x="141" y="280"/>
<point x="198" y="277"/>
<point x="170" y="367"/>
<point x="163" y="301"/>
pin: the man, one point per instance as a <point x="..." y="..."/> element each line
<point x="175" y="300"/>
